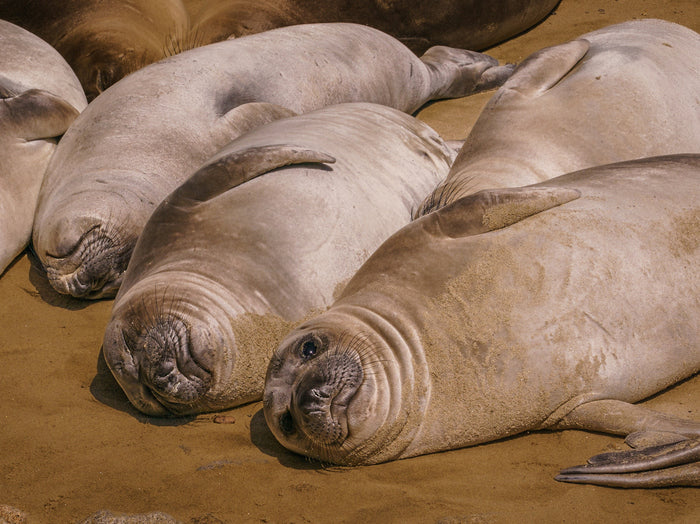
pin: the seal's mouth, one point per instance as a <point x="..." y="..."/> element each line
<point x="321" y="396"/>
<point x="93" y="269"/>
<point x="158" y="367"/>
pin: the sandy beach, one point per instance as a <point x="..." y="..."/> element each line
<point x="71" y="444"/>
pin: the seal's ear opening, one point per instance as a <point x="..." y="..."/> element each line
<point x="237" y="168"/>
<point x="496" y="208"/>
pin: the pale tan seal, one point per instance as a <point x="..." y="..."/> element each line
<point x="552" y="306"/>
<point x="39" y="98"/>
<point x="623" y="92"/>
<point x="225" y="267"/>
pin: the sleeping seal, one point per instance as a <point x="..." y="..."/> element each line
<point x="552" y="306"/>
<point x="224" y="269"/>
<point x="103" y="40"/>
<point x="468" y="24"/>
<point x="620" y="93"/>
<point x="39" y="98"/>
<point x="140" y="139"/>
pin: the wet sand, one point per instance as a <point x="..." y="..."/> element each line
<point x="71" y="444"/>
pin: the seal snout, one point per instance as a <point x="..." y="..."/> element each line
<point x="168" y="364"/>
<point x="321" y="395"/>
<point x="91" y="267"/>
<point x="158" y="363"/>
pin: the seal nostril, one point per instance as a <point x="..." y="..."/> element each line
<point x="320" y="393"/>
<point x="286" y="423"/>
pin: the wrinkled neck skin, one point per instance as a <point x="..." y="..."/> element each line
<point x="384" y="413"/>
<point x="171" y="346"/>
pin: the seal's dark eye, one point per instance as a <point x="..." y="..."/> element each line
<point x="309" y="349"/>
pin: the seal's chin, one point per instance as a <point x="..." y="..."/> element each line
<point x="93" y="268"/>
<point x="163" y="367"/>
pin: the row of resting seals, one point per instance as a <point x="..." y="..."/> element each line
<point x="623" y="92"/>
<point x="227" y="265"/>
<point x="552" y="306"/>
<point x="105" y="40"/>
<point x="39" y="98"/>
<point x="142" y="137"/>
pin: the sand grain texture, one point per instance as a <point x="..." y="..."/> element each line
<point x="71" y="444"/>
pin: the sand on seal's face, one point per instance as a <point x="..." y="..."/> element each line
<point x="71" y="445"/>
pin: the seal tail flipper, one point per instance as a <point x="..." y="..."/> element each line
<point x="545" y="68"/>
<point x="37" y="114"/>
<point x="495" y="209"/>
<point x="456" y="73"/>
<point x="675" y="462"/>
<point x="236" y="168"/>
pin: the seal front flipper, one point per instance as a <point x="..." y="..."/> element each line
<point x="493" y="209"/>
<point x="37" y="114"/>
<point x="674" y="463"/>
<point x="456" y="73"/>
<point x="233" y="169"/>
<point x="545" y="68"/>
<point x="244" y="117"/>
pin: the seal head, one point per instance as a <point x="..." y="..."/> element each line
<point x="313" y="382"/>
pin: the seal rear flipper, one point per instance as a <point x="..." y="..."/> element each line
<point x="545" y="68"/>
<point x="236" y="168"/>
<point x="37" y="114"/>
<point x="493" y="209"/>
<point x="676" y="464"/>
<point x="456" y="73"/>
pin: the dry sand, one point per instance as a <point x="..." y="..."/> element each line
<point x="72" y="444"/>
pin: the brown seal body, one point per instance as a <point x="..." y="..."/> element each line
<point x="623" y="92"/>
<point x="468" y="24"/>
<point x="103" y="40"/>
<point x="39" y="98"/>
<point x="225" y="267"/>
<point x="551" y="306"/>
<point x="142" y="137"/>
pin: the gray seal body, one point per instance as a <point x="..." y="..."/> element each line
<point x="620" y="93"/>
<point x="246" y="248"/>
<point x="142" y="137"/>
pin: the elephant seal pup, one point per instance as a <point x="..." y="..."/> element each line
<point x="141" y="138"/>
<point x="223" y="269"/>
<point x="39" y="98"/>
<point x="103" y="40"/>
<point x="551" y="306"/>
<point x="467" y="24"/>
<point x="620" y="93"/>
